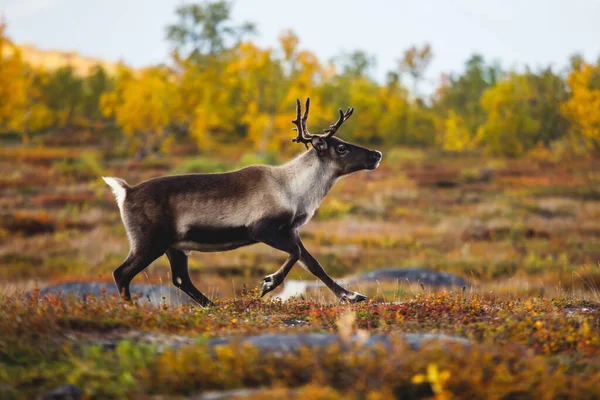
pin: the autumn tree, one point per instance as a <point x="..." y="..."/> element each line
<point x="509" y="128"/>
<point x="396" y="107"/>
<point x="203" y="40"/>
<point x="455" y="135"/>
<point x="38" y="116"/>
<point x="13" y="85"/>
<point x="256" y="93"/>
<point x="144" y="105"/>
<point x="583" y="107"/>
<point x="351" y="86"/>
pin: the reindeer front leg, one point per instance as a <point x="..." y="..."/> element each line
<point x="271" y="282"/>
<point x="290" y="243"/>
<point x="269" y="233"/>
<point x="315" y="268"/>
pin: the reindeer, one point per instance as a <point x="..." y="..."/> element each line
<point x="218" y="212"/>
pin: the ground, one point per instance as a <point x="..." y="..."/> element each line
<point x="524" y="233"/>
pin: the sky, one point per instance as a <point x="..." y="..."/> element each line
<point x="513" y="32"/>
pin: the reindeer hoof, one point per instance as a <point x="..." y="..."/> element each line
<point x="353" y="297"/>
<point x="267" y="285"/>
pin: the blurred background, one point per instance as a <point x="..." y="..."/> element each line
<point x="488" y="115"/>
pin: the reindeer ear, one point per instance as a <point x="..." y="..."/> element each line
<point x="319" y="144"/>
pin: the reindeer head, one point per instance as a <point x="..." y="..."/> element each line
<point x="345" y="157"/>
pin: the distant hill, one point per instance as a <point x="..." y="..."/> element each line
<point x="54" y="59"/>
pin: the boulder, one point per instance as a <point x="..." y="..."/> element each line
<point x="425" y="276"/>
<point x="63" y="392"/>
<point x="289" y="343"/>
<point x="415" y="275"/>
<point x="284" y="343"/>
<point x="153" y="294"/>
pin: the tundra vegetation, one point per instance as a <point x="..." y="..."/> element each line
<point x="495" y="177"/>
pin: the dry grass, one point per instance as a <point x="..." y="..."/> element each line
<point x="539" y="348"/>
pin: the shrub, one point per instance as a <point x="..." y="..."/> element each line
<point x="333" y="208"/>
<point x="63" y="199"/>
<point x="28" y="224"/>
<point x="86" y="166"/>
<point x="201" y="165"/>
<point x="253" y="158"/>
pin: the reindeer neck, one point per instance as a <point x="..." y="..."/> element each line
<point x="308" y="179"/>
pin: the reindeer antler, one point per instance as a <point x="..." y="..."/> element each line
<point x="306" y="137"/>
<point x="303" y="135"/>
<point x="334" y="126"/>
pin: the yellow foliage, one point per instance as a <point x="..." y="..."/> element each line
<point x="201" y="126"/>
<point x="306" y="76"/>
<point x="436" y="378"/>
<point x="39" y="117"/>
<point x="258" y="124"/>
<point x="583" y="108"/>
<point x="148" y="103"/>
<point x="13" y="85"/>
<point x="109" y="102"/>
<point x="364" y="96"/>
<point x="143" y="105"/>
<point x="455" y="135"/>
<point x="396" y="108"/>
<point x="509" y="127"/>
<point x="289" y="43"/>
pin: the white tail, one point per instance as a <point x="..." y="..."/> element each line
<point x="118" y="187"/>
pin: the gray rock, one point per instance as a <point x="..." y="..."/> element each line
<point x="289" y="343"/>
<point x="63" y="392"/>
<point x="153" y="294"/>
<point x="281" y="343"/>
<point x="415" y="275"/>
<point x="229" y="394"/>
<point x="427" y="277"/>
<point x="161" y="341"/>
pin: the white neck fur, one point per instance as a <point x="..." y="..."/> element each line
<point x="308" y="179"/>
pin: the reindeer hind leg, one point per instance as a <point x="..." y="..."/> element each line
<point x="181" y="277"/>
<point x="145" y="248"/>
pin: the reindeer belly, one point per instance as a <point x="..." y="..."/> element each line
<point x="210" y="239"/>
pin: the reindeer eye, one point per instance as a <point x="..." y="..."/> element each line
<point x="341" y="148"/>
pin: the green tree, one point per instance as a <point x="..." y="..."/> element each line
<point x="95" y="85"/>
<point x="38" y="116"/>
<point x="549" y="90"/>
<point x="352" y="87"/>
<point x="356" y="64"/>
<point x="204" y="31"/>
<point x="64" y="93"/>
<point x="415" y="61"/>
<point x="462" y="94"/>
